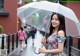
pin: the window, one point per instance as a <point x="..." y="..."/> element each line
<point x="1" y="4"/>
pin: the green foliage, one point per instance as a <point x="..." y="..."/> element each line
<point x="27" y="1"/>
<point x="52" y="0"/>
<point x="1" y="29"/>
<point x="64" y="0"/>
<point x="70" y="0"/>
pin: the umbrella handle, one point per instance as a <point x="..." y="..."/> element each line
<point x="34" y="48"/>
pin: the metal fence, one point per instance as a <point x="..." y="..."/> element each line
<point x="12" y="43"/>
<point x="11" y="40"/>
<point x="73" y="50"/>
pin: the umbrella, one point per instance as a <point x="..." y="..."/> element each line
<point x="48" y="6"/>
<point x="38" y="14"/>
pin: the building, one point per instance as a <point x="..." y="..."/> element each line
<point x="8" y="11"/>
<point x="8" y="17"/>
<point x="75" y="6"/>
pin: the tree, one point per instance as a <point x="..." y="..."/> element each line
<point x="69" y="0"/>
<point x="28" y="1"/>
<point x="52" y="0"/>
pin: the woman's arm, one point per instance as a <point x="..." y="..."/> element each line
<point x="58" y="50"/>
<point x="60" y="46"/>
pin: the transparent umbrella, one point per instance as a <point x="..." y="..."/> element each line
<point x="37" y="14"/>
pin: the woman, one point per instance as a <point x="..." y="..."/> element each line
<point x="55" y="41"/>
<point x="22" y="37"/>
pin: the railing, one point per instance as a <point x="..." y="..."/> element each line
<point x="73" y="50"/>
<point x="11" y="43"/>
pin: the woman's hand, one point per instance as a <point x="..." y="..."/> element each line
<point x="42" y="50"/>
<point x="43" y="40"/>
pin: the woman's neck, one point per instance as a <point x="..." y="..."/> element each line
<point x="55" y="31"/>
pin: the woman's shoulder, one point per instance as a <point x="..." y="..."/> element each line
<point x="61" y="33"/>
<point x="61" y="36"/>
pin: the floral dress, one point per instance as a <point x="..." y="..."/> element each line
<point x="53" y="41"/>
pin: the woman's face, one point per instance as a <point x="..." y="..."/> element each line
<point x="55" y="22"/>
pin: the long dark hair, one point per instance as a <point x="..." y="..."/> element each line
<point x="21" y="28"/>
<point x="61" y="19"/>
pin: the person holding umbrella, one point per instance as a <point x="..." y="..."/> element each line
<point x="55" y="42"/>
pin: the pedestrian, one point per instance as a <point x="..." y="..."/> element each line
<point x="26" y="32"/>
<point x="55" y="42"/>
<point x="32" y="33"/>
<point x="21" y="36"/>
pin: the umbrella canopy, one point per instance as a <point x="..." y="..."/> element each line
<point x="38" y="15"/>
<point x="72" y="28"/>
<point x="48" y="6"/>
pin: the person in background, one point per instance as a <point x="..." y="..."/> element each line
<point x="22" y="37"/>
<point x="55" y="42"/>
<point x="32" y="33"/>
<point x="26" y="32"/>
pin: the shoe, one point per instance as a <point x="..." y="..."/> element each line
<point x="21" y="49"/>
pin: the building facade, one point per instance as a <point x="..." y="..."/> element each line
<point x="8" y="15"/>
<point x="75" y="6"/>
<point x="9" y="19"/>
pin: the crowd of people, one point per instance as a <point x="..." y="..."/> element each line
<point x="24" y="33"/>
